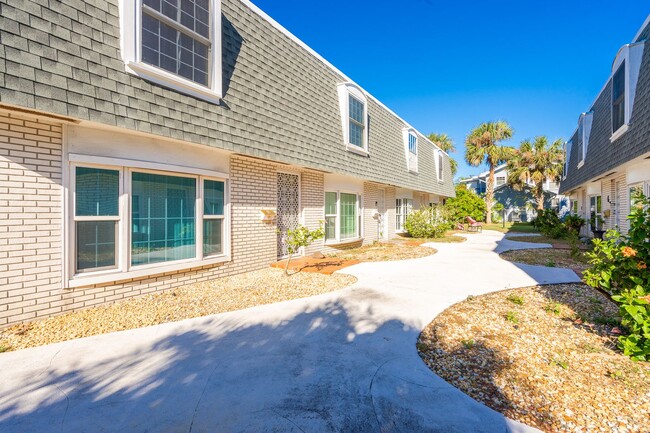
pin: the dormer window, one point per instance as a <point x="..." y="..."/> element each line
<point x="439" y="165"/>
<point x="618" y="98"/>
<point x="625" y="75"/>
<point x="584" y="132"/>
<point x="175" y="43"/>
<point x="411" y="149"/>
<point x="353" y="104"/>
<point x="567" y="155"/>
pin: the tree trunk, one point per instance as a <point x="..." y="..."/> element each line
<point x="540" y="197"/>
<point x="286" y="267"/>
<point x="489" y="195"/>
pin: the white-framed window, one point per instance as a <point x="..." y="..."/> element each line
<point x="410" y="148"/>
<point x="574" y="206"/>
<point x="567" y="155"/>
<point x="353" y="105"/>
<point x="500" y="180"/>
<point x="175" y="43"/>
<point x="584" y="132"/>
<point x="129" y="221"/>
<point x="342" y="216"/>
<point x="595" y="212"/>
<point x="403" y="207"/>
<point x="440" y="168"/>
<point x="618" y="98"/>
<point x="624" y="78"/>
<point x="640" y="187"/>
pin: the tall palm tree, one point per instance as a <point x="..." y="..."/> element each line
<point x="445" y="142"/>
<point x="482" y="145"/>
<point x="536" y="162"/>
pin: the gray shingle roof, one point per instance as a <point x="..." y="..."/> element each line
<point x="602" y="155"/>
<point x="281" y="102"/>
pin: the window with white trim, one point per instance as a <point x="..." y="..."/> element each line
<point x="353" y="105"/>
<point x="439" y="164"/>
<point x="618" y="98"/>
<point x="403" y="207"/>
<point x="342" y="216"/>
<point x="167" y="217"/>
<point x="410" y="149"/>
<point x="584" y="132"/>
<point x="625" y="76"/>
<point x="567" y="155"/>
<point x="176" y="43"/>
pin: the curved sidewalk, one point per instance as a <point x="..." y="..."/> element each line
<point x="340" y="362"/>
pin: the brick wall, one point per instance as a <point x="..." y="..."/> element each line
<point x="30" y="218"/>
<point x="312" y="197"/>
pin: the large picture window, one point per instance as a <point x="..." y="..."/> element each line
<point x="163" y="218"/>
<point x="342" y="216"/>
<point x="169" y="218"/>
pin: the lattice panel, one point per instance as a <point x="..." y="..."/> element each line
<point x="288" y="216"/>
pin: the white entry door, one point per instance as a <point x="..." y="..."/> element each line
<point x="288" y="216"/>
<point x="381" y="209"/>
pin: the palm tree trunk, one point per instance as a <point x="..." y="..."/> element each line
<point x="540" y="196"/>
<point x="489" y="195"/>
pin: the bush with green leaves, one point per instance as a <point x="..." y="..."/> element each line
<point x="574" y="223"/>
<point x="301" y="237"/>
<point x="620" y="266"/>
<point x="466" y="203"/>
<point x="428" y="222"/>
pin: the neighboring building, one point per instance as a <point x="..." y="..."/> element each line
<point x="608" y="155"/>
<point x="147" y="145"/>
<point x="519" y="205"/>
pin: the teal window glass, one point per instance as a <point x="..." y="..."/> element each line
<point x="330" y="215"/>
<point x="97" y="192"/>
<point x="163" y="218"/>
<point x="213" y="197"/>
<point x="349" y="218"/>
<point x="96" y="245"/>
<point x="212" y="237"/>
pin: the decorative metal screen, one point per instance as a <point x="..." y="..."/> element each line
<point x="288" y="216"/>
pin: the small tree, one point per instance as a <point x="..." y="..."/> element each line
<point x="301" y="237"/>
<point x="620" y="265"/>
<point x="466" y="203"/>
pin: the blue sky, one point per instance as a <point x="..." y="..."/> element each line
<point x="446" y="66"/>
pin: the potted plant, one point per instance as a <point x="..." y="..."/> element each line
<point x="574" y="223"/>
<point x="596" y="224"/>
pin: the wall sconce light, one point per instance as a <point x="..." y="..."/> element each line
<point x="610" y="202"/>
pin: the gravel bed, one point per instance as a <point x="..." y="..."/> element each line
<point x="545" y="356"/>
<point x="215" y="296"/>
<point x="548" y="257"/>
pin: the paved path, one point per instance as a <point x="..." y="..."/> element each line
<point x="340" y="362"/>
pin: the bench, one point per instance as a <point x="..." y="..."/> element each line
<point x="473" y="225"/>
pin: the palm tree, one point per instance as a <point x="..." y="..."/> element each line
<point x="536" y="162"/>
<point x="444" y="142"/>
<point x="481" y="145"/>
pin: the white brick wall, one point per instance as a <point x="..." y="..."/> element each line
<point x="30" y="218"/>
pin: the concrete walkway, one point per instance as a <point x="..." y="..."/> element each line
<point x="340" y="362"/>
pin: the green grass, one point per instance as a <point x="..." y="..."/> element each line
<point x="517" y="300"/>
<point x="511" y="227"/>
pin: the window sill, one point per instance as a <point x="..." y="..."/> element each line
<point x="581" y="163"/>
<point x="619" y="132"/>
<point x="342" y="242"/>
<point x="112" y="275"/>
<point x="413" y="170"/>
<point x="173" y="82"/>
<point x="356" y="149"/>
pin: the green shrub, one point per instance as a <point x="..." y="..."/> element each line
<point x="574" y="223"/>
<point x="620" y="266"/>
<point x="466" y="203"/>
<point x="299" y="238"/>
<point x="428" y="222"/>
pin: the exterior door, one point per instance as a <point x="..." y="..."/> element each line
<point x="288" y="216"/>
